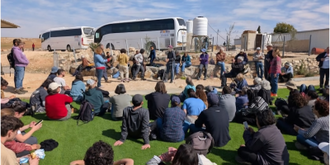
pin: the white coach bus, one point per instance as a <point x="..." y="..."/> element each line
<point x="67" y="38"/>
<point x="135" y="33"/>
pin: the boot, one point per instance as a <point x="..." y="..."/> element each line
<point x="223" y="80"/>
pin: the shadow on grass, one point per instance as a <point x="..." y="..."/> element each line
<point x="291" y="146"/>
<point x="111" y="133"/>
<point x="41" y="116"/>
<point x="226" y="155"/>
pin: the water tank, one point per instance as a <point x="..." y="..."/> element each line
<point x="190" y="25"/>
<point x="200" y="26"/>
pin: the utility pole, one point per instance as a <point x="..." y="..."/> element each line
<point x="217" y="37"/>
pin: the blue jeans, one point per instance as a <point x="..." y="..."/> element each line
<point x="105" y="75"/>
<point x="260" y="69"/>
<point x="177" y="68"/>
<point x="185" y="65"/>
<point x="170" y="66"/>
<point x="19" y="76"/>
<point x="186" y="126"/>
<point x="307" y="142"/>
<point x="273" y="83"/>
<point x="152" y="60"/>
<point x="99" y="75"/>
<point x="222" y="66"/>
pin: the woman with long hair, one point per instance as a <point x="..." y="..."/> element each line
<point x="201" y="94"/>
<point x="119" y="102"/>
<point x="275" y="70"/>
<point x="78" y="88"/>
<point x="158" y="101"/>
<point x="100" y="64"/>
<point x="190" y="84"/>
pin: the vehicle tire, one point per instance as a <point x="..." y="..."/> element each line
<point x="49" y="48"/>
<point x="68" y="48"/>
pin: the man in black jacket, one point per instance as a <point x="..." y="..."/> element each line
<point x="237" y="67"/>
<point x="323" y="60"/>
<point x="216" y="121"/>
<point x="268" y="59"/>
<point x="135" y="122"/>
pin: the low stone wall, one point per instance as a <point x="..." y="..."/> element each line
<point x="309" y="64"/>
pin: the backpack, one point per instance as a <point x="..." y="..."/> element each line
<point x="160" y="73"/>
<point x="201" y="141"/>
<point x="212" y="61"/>
<point x="86" y="112"/>
<point x="11" y="60"/>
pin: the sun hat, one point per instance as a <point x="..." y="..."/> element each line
<point x="258" y="48"/>
<point x="291" y="84"/>
<point x="324" y="146"/>
<point x="204" y="50"/>
<point x="53" y="86"/>
<point x="90" y="82"/>
<point x="54" y="69"/>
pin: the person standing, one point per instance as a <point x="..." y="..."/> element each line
<point x="170" y="62"/>
<point x="177" y="62"/>
<point x="152" y="55"/>
<point x="33" y="47"/>
<point x="105" y="75"/>
<point x="258" y="57"/>
<point x="286" y="73"/>
<point x="323" y="60"/>
<point x="220" y="62"/>
<point x="185" y="62"/>
<point x="20" y="63"/>
<point x="268" y="59"/>
<point x="139" y="65"/>
<point x="99" y="62"/>
<point x="204" y="61"/>
<point x="123" y="65"/>
<point x="275" y="70"/>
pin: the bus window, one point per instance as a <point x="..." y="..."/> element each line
<point x="88" y="31"/>
<point x="181" y="22"/>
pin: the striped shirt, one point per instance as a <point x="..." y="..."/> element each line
<point x="260" y="105"/>
<point x="319" y="129"/>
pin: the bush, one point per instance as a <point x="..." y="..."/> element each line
<point x="302" y="70"/>
<point x="309" y="74"/>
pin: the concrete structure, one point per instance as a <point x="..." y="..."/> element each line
<point x="237" y="41"/>
<point x="248" y="40"/>
<point x="6" y="24"/>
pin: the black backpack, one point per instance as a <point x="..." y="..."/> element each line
<point x="11" y="60"/>
<point x="86" y="112"/>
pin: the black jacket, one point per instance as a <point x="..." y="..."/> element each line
<point x="157" y="103"/>
<point x="237" y="68"/>
<point x="318" y="58"/>
<point x="302" y="117"/>
<point x="135" y="124"/>
<point x="217" y="124"/>
<point x="269" y="56"/>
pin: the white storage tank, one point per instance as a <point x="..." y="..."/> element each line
<point x="200" y="26"/>
<point x="190" y="25"/>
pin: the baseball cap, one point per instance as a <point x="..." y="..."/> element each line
<point x="137" y="100"/>
<point x="241" y="50"/>
<point x="54" y="85"/>
<point x="82" y="56"/>
<point x="324" y="146"/>
<point x="212" y="99"/>
<point x="170" y="46"/>
<point x="204" y="50"/>
<point x="54" y="69"/>
<point x="258" y="48"/>
<point x="90" y="82"/>
<point x="175" y="99"/>
<point x="287" y="64"/>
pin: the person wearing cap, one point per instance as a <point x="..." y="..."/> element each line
<point x="220" y="62"/>
<point x="53" y="73"/>
<point x="244" y="56"/>
<point x="216" y="122"/>
<point x="135" y="123"/>
<point x="158" y="101"/>
<point x="268" y="59"/>
<point x="286" y="73"/>
<point x="170" y="126"/>
<point x="319" y="130"/>
<point x="237" y="67"/>
<point x="177" y="62"/>
<point x="259" y="57"/>
<point x="204" y="61"/>
<point x="324" y="147"/>
<point x="274" y="71"/>
<point x="57" y="105"/>
<point x="265" y="146"/>
<point x="100" y="64"/>
<point x="323" y="60"/>
<point x="185" y="62"/>
<point x="95" y="97"/>
<point x="21" y="62"/>
<point x="139" y="65"/>
<point x="170" y="62"/>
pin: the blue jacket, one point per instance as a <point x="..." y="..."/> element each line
<point x="77" y="90"/>
<point x="286" y="71"/>
<point x="241" y="84"/>
<point x="99" y="61"/>
<point x="186" y="59"/>
<point x="240" y="101"/>
<point x="152" y="54"/>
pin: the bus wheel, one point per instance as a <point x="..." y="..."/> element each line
<point x="68" y="48"/>
<point x="49" y="48"/>
<point x="150" y="44"/>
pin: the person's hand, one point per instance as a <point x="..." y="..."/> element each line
<point x="242" y="145"/>
<point x="297" y="128"/>
<point x="35" y="146"/>
<point x="32" y="124"/>
<point x="118" y="143"/>
<point x="34" y="161"/>
<point x="146" y="146"/>
<point x="78" y="162"/>
<point x="36" y="127"/>
<point x="12" y="96"/>
<point x="322" y="59"/>
<point x="250" y="130"/>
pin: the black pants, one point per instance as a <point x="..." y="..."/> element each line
<point x="266" y="69"/>
<point x="282" y="106"/>
<point x="247" y="155"/>
<point x="103" y="109"/>
<point x="286" y="77"/>
<point x="250" y="118"/>
<point x="137" y="69"/>
<point x="324" y="72"/>
<point x="224" y="77"/>
<point x="286" y="127"/>
<point x="201" y="66"/>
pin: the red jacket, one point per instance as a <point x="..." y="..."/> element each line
<point x="275" y="66"/>
<point x="17" y="147"/>
<point x="55" y="106"/>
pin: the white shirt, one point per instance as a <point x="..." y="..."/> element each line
<point x="60" y="81"/>
<point x="326" y="62"/>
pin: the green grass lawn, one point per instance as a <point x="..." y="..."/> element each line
<point x="75" y="140"/>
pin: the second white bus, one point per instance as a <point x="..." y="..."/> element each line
<point x="159" y="32"/>
<point x="67" y="38"/>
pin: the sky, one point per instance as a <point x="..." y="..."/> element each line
<point x="36" y="16"/>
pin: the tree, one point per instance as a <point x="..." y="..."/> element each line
<point x="284" y="28"/>
<point x="258" y="29"/>
<point x="229" y="32"/>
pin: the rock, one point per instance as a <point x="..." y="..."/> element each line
<point x="180" y="86"/>
<point x="131" y="49"/>
<point x="153" y="69"/>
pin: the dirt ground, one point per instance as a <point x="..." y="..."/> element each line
<point x="7" y="43"/>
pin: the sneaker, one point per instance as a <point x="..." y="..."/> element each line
<point x="17" y="91"/>
<point x="22" y="89"/>
<point x="143" y="79"/>
<point x="204" y="78"/>
<point x="299" y="146"/>
<point x="241" y="161"/>
<point x="101" y="86"/>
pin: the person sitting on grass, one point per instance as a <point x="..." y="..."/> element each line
<point x="190" y="85"/>
<point x="265" y="92"/>
<point x="57" y="104"/>
<point x="158" y="101"/>
<point x="135" y="123"/>
<point x="53" y="73"/>
<point x="242" y="99"/>
<point x="95" y="97"/>
<point x="119" y="102"/>
<point x="170" y="127"/>
<point x="282" y="106"/>
<point x="227" y="102"/>
<point x="78" y="88"/>
<point x="240" y="82"/>
<point x="101" y="153"/>
<point x="37" y="99"/>
<point x="266" y="146"/>
<point x="300" y="114"/>
<point x="216" y="122"/>
<point x="9" y="128"/>
<point x="324" y="147"/>
<point x="184" y="155"/>
<point x="201" y="94"/>
<point x="60" y="80"/>
<point x="286" y="73"/>
<point x="256" y="85"/>
<point x="319" y="130"/>
<point x="311" y="97"/>
<point x="237" y="67"/>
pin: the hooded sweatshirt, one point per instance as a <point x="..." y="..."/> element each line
<point x="95" y="97"/>
<point x="135" y="124"/>
<point x="78" y="89"/>
<point x="19" y="57"/>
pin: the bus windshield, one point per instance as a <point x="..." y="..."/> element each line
<point x="88" y="31"/>
<point x="181" y="22"/>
